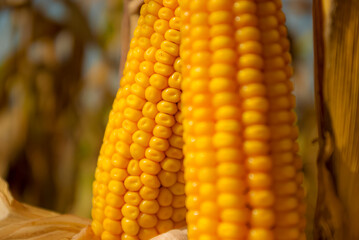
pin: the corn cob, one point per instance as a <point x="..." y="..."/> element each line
<point x="243" y="175"/>
<point x="138" y="190"/>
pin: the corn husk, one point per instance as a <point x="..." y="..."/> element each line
<point x="22" y="221"/>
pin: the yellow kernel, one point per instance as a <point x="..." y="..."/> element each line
<point x="247" y="34"/>
<point x="255" y="148"/>
<point x="158" y="81"/>
<point x="179" y="201"/>
<point x="165" y="13"/>
<point x="221" y="30"/>
<point x="177" y="129"/>
<point x="161" y="26"/>
<point x="257" y="132"/>
<point x="223" y="140"/>
<point x="164" y="120"/>
<point x="229" y="155"/>
<point x="137" y="151"/>
<point x="167" y="107"/>
<point x="149" y="110"/>
<point x="222" y="70"/>
<point x="149" y="193"/>
<point x="260" y="233"/>
<point x="166" y="178"/>
<point x="132" y="198"/>
<point x="177" y="65"/>
<point x="159" y="144"/>
<point x="149" y="206"/>
<point x="231" y="185"/>
<point x="116" y="187"/>
<point x="262" y="218"/>
<point x="154" y="155"/>
<point x="175" y="153"/>
<point x="250" y="61"/>
<point x="285" y="203"/>
<point x="261" y="198"/>
<point x="156" y="41"/>
<point x="130" y="212"/>
<point x="164" y="226"/>
<point x="133" y="168"/>
<point x="129" y="126"/>
<point x="247" y="76"/>
<point x="150" y="180"/>
<point x="229" y="200"/>
<point x="222" y="84"/>
<point x="132" y="114"/>
<point x="242" y="7"/>
<point x="256" y="104"/>
<point x="175" y="23"/>
<point x="173" y="35"/>
<point x="231" y="230"/>
<point x="138" y="91"/>
<point x="170" y="48"/>
<point x="146" y="124"/>
<point x="207" y="225"/>
<point x="225" y="98"/>
<point x="149" y="166"/>
<point x="108" y="236"/>
<point x="153" y="8"/>
<point x="165" y="197"/>
<point x="227" y="112"/>
<point x="144" y="42"/>
<point x="130" y="226"/>
<point x="147" y="68"/>
<point x="230" y="170"/>
<point x="192" y="216"/>
<point x="147" y="220"/>
<point x="245" y="20"/>
<point x="112" y="226"/>
<point x="98" y="214"/>
<point x="174" y="81"/>
<point x="114" y="200"/>
<point x="177" y="189"/>
<point x="171" y="165"/>
<point x="153" y="94"/>
<point x="208" y="190"/>
<point x="170" y="4"/>
<point x="179" y="214"/>
<point x="235" y="215"/>
<point x="133" y="183"/>
<point x="147" y="233"/>
<point x="221" y="42"/>
<point x="150" y="19"/>
<point x="142" y="138"/>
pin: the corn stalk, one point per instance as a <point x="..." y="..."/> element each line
<point x="336" y="25"/>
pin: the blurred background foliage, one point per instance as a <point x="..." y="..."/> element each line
<point x="59" y="62"/>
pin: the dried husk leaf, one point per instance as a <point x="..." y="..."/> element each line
<point x="21" y="221"/>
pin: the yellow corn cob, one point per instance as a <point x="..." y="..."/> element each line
<point x="138" y="190"/>
<point x="243" y="175"/>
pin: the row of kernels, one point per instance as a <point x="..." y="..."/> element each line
<point x="255" y="106"/>
<point x="286" y="182"/>
<point x="192" y="201"/>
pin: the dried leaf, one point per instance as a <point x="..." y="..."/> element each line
<point x="21" y="221"/>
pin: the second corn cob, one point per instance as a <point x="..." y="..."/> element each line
<point x="252" y="172"/>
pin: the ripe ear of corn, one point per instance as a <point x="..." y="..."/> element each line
<point x="242" y="169"/>
<point x="138" y="190"/>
